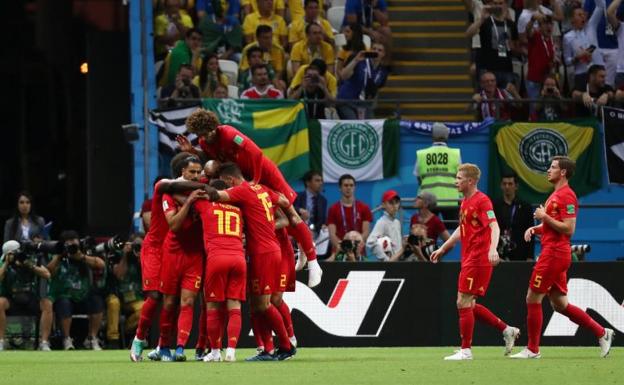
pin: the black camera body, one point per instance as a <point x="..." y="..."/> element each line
<point x="415" y="240"/>
<point x="347" y="245"/>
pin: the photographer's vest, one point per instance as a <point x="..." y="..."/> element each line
<point x="437" y="168"/>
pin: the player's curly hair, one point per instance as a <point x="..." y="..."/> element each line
<point x="201" y="120"/>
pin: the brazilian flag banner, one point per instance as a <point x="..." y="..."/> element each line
<point x="278" y="127"/>
<point x="528" y="148"/>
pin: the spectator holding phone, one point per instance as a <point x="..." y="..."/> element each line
<point x="543" y="58"/>
<point x="579" y="45"/>
<point x="595" y="94"/>
<point x="363" y="76"/>
<point x="550" y="108"/>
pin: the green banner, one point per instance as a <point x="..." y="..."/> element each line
<point x="278" y="127"/>
<point x="527" y="150"/>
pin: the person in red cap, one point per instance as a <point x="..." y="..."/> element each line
<point x="385" y="241"/>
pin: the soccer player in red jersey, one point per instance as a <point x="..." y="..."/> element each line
<point x="183" y="257"/>
<point x="256" y="203"/>
<point x="549" y="276"/>
<point x="226" y="143"/>
<point x="479" y="233"/>
<point x="151" y="256"/>
<point x="225" y="274"/>
<point x="287" y="281"/>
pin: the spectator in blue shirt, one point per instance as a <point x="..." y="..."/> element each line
<point x="221" y="29"/>
<point x="362" y="77"/>
<point x="372" y="15"/>
<point x="606" y="36"/>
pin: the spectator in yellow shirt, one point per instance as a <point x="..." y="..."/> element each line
<point x="251" y="6"/>
<point x="312" y="14"/>
<point x="330" y="79"/>
<point x="312" y="48"/>
<point x="297" y="8"/>
<point x="273" y="54"/>
<point x="265" y="16"/>
<point x="170" y="27"/>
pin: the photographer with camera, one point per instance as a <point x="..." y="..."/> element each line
<point x="21" y="283"/>
<point x="125" y="294"/>
<point x="312" y="90"/>
<point x="183" y="88"/>
<point x="71" y="288"/>
<point x="418" y="247"/>
<point x="350" y="249"/>
<point x="551" y="108"/>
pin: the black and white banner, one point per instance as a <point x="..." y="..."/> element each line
<point x="171" y="123"/>
<point x="613" y="121"/>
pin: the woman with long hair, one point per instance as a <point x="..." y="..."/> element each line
<point x="210" y="76"/>
<point x="24" y="225"/>
<point x="355" y="43"/>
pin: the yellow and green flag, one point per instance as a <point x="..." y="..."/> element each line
<point x="527" y="149"/>
<point x="278" y="127"/>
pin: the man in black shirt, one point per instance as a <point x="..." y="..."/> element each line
<point x="514" y="217"/>
<point x="499" y="36"/>
<point x="593" y="95"/>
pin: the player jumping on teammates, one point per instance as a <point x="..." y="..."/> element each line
<point x="479" y="233"/>
<point x="549" y="276"/>
<point x="225" y="143"/>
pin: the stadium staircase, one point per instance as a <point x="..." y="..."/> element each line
<point x="430" y="60"/>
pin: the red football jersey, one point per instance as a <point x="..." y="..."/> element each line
<point x="188" y="239"/>
<point x="158" y="226"/>
<point x="222" y="225"/>
<point x="561" y="204"/>
<point x="475" y="215"/>
<point x="256" y="203"/>
<point x="348" y="218"/>
<point x="231" y="145"/>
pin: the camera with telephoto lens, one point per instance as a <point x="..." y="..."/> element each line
<point x="581" y="249"/>
<point x="114" y="244"/>
<point x="415" y="240"/>
<point x="348" y="246"/>
<point x="84" y="244"/>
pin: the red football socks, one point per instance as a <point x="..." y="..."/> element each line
<point x="466" y="326"/>
<point x="166" y="327"/>
<point x="303" y="236"/>
<point x="185" y="324"/>
<point x="233" y="327"/>
<point x="256" y="326"/>
<point x="583" y="319"/>
<point x="213" y="327"/>
<point x="147" y="315"/>
<point x="534" y="326"/>
<point x="483" y="314"/>
<point x="284" y="311"/>
<point x="201" y="338"/>
<point x="276" y="323"/>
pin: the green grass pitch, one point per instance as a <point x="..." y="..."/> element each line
<point x="321" y="366"/>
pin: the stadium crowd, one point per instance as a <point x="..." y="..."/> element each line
<point x="312" y="50"/>
<point x="546" y="51"/>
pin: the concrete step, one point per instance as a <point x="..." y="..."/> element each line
<point x="413" y="67"/>
<point x="433" y="54"/>
<point x="457" y="27"/>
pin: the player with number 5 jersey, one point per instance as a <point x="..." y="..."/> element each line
<point x="549" y="276"/>
<point x="478" y="232"/>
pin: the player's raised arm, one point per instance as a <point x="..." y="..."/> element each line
<point x="176" y="217"/>
<point x="186" y="146"/>
<point x="169" y="186"/>
<point x="215" y="195"/>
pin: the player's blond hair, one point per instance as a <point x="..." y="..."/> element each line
<point x="470" y="171"/>
<point x="201" y="120"/>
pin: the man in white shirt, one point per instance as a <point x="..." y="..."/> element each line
<point x="580" y="48"/>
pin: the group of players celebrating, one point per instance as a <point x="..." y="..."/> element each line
<point x="205" y="212"/>
<point x="195" y="241"/>
<point x="479" y="235"/>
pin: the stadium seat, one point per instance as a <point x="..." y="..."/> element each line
<point x="340" y="40"/>
<point x="233" y="92"/>
<point x="367" y="41"/>
<point x="338" y="3"/>
<point x="230" y="68"/>
<point x="335" y="15"/>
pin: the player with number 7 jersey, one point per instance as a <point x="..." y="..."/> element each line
<point x="479" y="234"/>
